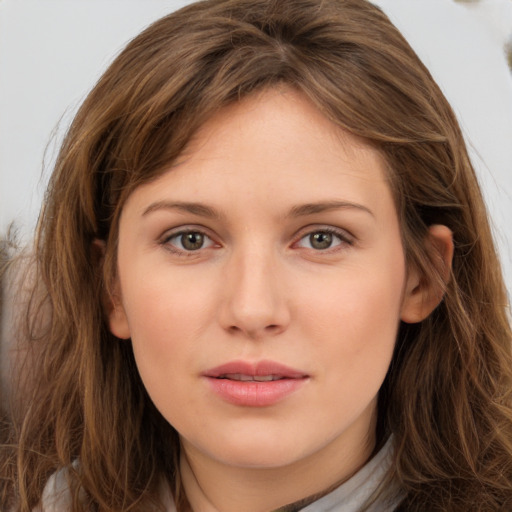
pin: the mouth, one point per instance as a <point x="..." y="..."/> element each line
<point x="259" y="384"/>
<point x="250" y="378"/>
<point x="261" y="371"/>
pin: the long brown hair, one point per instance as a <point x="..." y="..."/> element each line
<point x="447" y="396"/>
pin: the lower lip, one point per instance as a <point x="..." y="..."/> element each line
<point x="255" y="394"/>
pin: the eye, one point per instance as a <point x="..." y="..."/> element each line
<point x="323" y="239"/>
<point x="188" y="241"/>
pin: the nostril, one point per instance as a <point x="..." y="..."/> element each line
<point x="256" y="333"/>
<point x="272" y="328"/>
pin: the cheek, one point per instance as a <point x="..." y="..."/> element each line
<point x="165" y="326"/>
<point x="358" y="316"/>
<point x="166" y="300"/>
<point x="167" y="315"/>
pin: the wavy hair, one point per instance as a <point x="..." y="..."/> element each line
<point x="447" y="396"/>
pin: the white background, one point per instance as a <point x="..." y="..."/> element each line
<point x="52" y="52"/>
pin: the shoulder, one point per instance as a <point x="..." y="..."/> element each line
<point x="57" y="496"/>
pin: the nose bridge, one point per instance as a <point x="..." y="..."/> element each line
<point x="255" y="301"/>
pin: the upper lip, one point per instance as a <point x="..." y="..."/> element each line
<point x="256" y="369"/>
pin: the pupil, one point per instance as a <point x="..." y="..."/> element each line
<point x="321" y="240"/>
<point x="192" y="241"/>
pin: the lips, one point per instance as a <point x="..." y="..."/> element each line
<point x="250" y="378"/>
<point x="260" y="384"/>
<point x="259" y="369"/>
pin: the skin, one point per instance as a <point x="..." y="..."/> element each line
<point x="260" y="288"/>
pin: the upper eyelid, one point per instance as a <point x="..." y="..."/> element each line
<point x="191" y="228"/>
<point x="341" y="232"/>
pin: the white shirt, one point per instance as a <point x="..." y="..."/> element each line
<point x="348" y="497"/>
<point x="352" y="494"/>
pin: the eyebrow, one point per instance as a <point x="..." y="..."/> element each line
<point x="302" y="210"/>
<point x="325" y="206"/>
<point x="195" y="208"/>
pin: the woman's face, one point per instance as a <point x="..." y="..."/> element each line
<point x="262" y="280"/>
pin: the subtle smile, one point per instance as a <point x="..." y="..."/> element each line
<point x="259" y="384"/>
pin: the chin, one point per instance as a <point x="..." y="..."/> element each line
<point x="258" y="458"/>
<point x="263" y="450"/>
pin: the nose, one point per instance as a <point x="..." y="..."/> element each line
<point x="255" y="304"/>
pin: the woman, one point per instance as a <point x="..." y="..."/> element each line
<point x="271" y="280"/>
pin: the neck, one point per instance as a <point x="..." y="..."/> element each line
<point x="214" y="486"/>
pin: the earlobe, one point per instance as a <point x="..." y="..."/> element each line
<point x="423" y="294"/>
<point x="112" y="305"/>
<point x="117" y="319"/>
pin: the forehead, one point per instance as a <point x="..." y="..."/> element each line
<point x="278" y="146"/>
<point x="270" y="110"/>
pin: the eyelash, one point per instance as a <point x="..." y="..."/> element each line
<point x="343" y="239"/>
<point x="166" y="241"/>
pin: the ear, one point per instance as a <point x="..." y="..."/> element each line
<point x="111" y="300"/>
<point x="117" y="319"/>
<point x="423" y="294"/>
